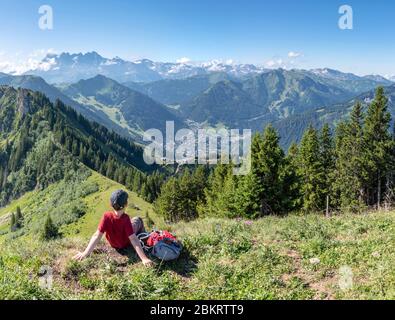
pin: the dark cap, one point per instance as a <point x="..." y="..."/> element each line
<point x="119" y="199"/>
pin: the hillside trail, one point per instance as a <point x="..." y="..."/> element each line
<point x="4" y="219"/>
<point x="322" y="287"/>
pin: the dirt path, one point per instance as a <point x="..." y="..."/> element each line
<point x="4" y="219"/>
<point x="322" y="288"/>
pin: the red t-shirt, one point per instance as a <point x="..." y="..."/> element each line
<point x="117" y="229"/>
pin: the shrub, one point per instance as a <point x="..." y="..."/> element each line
<point x="50" y="231"/>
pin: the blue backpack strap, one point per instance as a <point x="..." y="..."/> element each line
<point x="143" y="237"/>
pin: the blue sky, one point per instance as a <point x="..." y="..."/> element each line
<point x="247" y="31"/>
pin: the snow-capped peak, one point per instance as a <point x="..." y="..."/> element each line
<point x="67" y="67"/>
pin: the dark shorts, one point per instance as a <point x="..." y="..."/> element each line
<point x="138" y="225"/>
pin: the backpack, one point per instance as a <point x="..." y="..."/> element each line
<point x="162" y="245"/>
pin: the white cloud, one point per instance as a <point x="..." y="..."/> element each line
<point x="275" y="63"/>
<point x="20" y="63"/>
<point x="33" y="64"/>
<point x="42" y="53"/>
<point x="291" y="61"/>
<point x="183" y="60"/>
<point x="293" y="54"/>
<point x="6" y="66"/>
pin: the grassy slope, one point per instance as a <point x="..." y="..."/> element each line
<point x="223" y="259"/>
<point x="96" y="204"/>
<point x="112" y="112"/>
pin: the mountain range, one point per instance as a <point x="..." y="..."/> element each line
<point x="72" y="67"/>
<point x="93" y="127"/>
<point x="103" y="100"/>
<point x="218" y="99"/>
<point x="66" y="67"/>
<point x="38" y="84"/>
<point x="290" y="129"/>
<point x="131" y="97"/>
<point x="132" y="110"/>
<point x="57" y="172"/>
<point x="40" y="141"/>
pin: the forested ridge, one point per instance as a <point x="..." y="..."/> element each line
<point x="41" y="143"/>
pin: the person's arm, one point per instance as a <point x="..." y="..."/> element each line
<point x="139" y="250"/>
<point x="91" y="246"/>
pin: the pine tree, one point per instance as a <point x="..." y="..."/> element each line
<point x="327" y="147"/>
<point x="221" y="194"/>
<point x="110" y="168"/>
<point x="327" y="152"/>
<point x="260" y="191"/>
<point x="137" y="182"/>
<point x="169" y="202"/>
<point x="181" y="196"/>
<point x="291" y="199"/>
<point x="389" y="196"/>
<point x="311" y="171"/>
<point x="228" y="197"/>
<point x="50" y="231"/>
<point x="188" y="195"/>
<point x="349" y="176"/>
<point x="213" y="191"/>
<point x="2" y="169"/>
<point x="12" y="223"/>
<point x="18" y="218"/>
<point x="378" y="145"/>
<point x="199" y="183"/>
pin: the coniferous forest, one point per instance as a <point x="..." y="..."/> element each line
<point x="346" y="169"/>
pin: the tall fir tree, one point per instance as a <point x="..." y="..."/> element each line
<point x="260" y="190"/>
<point x="18" y="218"/>
<point x="349" y="177"/>
<point x="312" y="172"/>
<point x="389" y="196"/>
<point x="378" y="145"/>
<point x="12" y="222"/>
<point x="291" y="180"/>
<point x="327" y="153"/>
<point x="214" y="191"/>
<point x="221" y="193"/>
<point x="181" y="195"/>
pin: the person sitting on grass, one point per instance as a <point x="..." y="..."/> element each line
<point x="121" y="232"/>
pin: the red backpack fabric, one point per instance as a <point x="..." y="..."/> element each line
<point x="157" y="236"/>
<point x="161" y="244"/>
